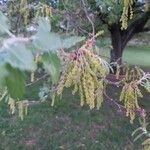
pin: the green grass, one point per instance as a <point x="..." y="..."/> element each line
<point x="67" y="126"/>
<point x="134" y="55"/>
<point x="137" y="55"/>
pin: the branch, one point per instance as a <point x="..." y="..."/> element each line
<point x="135" y="27"/>
<point x="90" y="20"/>
<point x="112" y="100"/>
<point x="37" y="80"/>
<point x="146" y="29"/>
<point x="145" y="77"/>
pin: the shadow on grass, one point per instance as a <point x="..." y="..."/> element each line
<point x="67" y="126"/>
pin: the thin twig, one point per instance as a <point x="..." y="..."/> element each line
<point x="37" y="80"/>
<point x="112" y="100"/>
<point x="145" y="77"/>
<point x="90" y="20"/>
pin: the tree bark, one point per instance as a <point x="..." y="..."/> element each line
<point x="116" y="51"/>
<point x="120" y="38"/>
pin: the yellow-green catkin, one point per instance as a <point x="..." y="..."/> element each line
<point x="147" y="147"/>
<point x="132" y="74"/>
<point x="36" y="60"/>
<point x="90" y="90"/>
<point x="11" y="103"/>
<point x="24" y="11"/>
<point x="117" y="71"/>
<point x="22" y="108"/>
<point x="127" y="13"/>
<point x="81" y="93"/>
<point x="83" y="74"/>
<point x="129" y="96"/>
<point x="99" y="93"/>
<point x="20" y="9"/>
<point x="11" y="8"/>
<point x="146" y="144"/>
<point x="61" y="84"/>
<point x="147" y="6"/>
<point x="44" y="10"/>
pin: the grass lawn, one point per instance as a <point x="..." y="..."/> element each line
<point x="134" y="55"/>
<point x="67" y="126"/>
<point x="137" y="55"/>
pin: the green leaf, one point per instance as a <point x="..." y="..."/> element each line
<point x="15" y="82"/>
<point x="14" y="60"/>
<point x="44" y="24"/>
<point x="44" y="40"/>
<point x="112" y="8"/>
<point x="4" y="26"/>
<point x="52" y="65"/>
<point x="47" y="41"/>
<point x="17" y="56"/>
<point x="3" y="74"/>
<point x="71" y="41"/>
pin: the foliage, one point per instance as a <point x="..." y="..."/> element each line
<point x="52" y="65"/>
<point x="4" y="27"/>
<point x="127" y="13"/>
<point x="122" y="10"/>
<point x="111" y="7"/>
<point x="91" y="69"/>
<point x="18" y="14"/>
<point x="129" y="95"/>
<point x="16" y="57"/>
<point x="142" y="132"/>
<point x="44" y="41"/>
<point x="82" y="68"/>
<point x="22" y="13"/>
<point x="86" y="72"/>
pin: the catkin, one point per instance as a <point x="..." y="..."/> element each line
<point x="126" y="14"/>
<point x="129" y="96"/>
<point x="82" y="72"/>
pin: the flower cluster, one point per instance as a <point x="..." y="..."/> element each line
<point x="20" y="8"/>
<point x="85" y="71"/>
<point x="127" y="13"/>
<point x="129" y="96"/>
<point x="44" y="10"/>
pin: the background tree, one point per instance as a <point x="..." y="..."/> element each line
<point x="108" y="13"/>
<point x="120" y="37"/>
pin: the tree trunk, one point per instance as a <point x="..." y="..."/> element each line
<point x="120" y="38"/>
<point x="116" y="51"/>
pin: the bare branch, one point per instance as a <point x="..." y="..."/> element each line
<point x="146" y="29"/>
<point x="37" y="80"/>
<point x="90" y="20"/>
